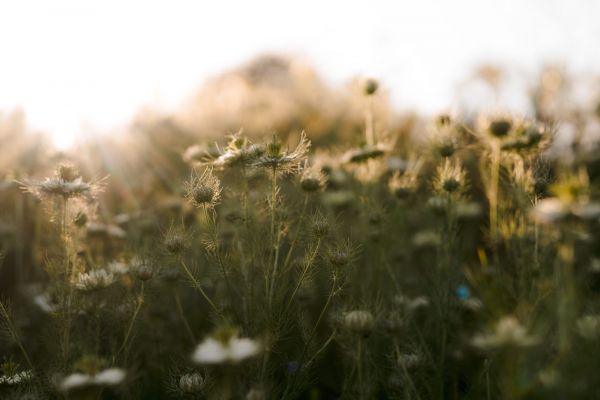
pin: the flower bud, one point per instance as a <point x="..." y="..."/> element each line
<point x="360" y="322"/>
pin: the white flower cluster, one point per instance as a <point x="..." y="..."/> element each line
<point x="94" y="280"/>
<point x="16" y="378"/>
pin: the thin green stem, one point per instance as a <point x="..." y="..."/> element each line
<point x="199" y="288"/>
<point x="140" y="301"/>
<point x="15" y="335"/>
<point x="297" y="233"/>
<point x="359" y="366"/>
<point x="307" y="266"/>
<point x="182" y="316"/>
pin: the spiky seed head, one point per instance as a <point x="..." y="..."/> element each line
<point x="203" y="194"/>
<point x="339" y="257"/>
<point x="274" y="148"/>
<point x="237" y="142"/>
<point x="66" y="172"/>
<point x="203" y="190"/>
<point x="371" y="86"/>
<point x="175" y="241"/>
<point x="191" y="383"/>
<point x="360" y="322"/>
<point x="175" y="244"/>
<point x="320" y="227"/>
<point x="144" y="272"/>
<point x="450" y="177"/>
<point x="451" y="184"/>
<point x="500" y="127"/>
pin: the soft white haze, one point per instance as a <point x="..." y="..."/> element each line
<point x="79" y="66"/>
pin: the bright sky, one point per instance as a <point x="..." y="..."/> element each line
<point x="80" y="66"/>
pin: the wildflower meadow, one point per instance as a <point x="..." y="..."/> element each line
<point x="310" y="244"/>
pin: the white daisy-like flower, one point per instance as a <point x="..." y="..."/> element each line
<point x="107" y="377"/>
<point x="15" y="378"/>
<point x="225" y="349"/>
<point x="93" y="280"/>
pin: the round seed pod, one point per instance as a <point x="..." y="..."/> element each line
<point x="360" y="322"/>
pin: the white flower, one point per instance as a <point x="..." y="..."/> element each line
<point x="230" y="349"/>
<point x="110" y="377"/>
<point x="508" y="332"/>
<point x="15" y="378"/>
<point x="74" y="381"/>
<point x="93" y="280"/>
<point x="107" y="377"/>
<point x="548" y="211"/>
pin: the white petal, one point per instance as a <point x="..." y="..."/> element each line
<point x="111" y="376"/>
<point x="242" y="348"/>
<point x="210" y="351"/>
<point x="75" y="380"/>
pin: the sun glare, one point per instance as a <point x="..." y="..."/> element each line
<point x="100" y="62"/>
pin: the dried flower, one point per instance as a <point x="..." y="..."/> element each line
<point x="279" y="161"/>
<point x="203" y="190"/>
<point x="450" y="178"/>
<point x="312" y="180"/>
<point x="94" y="280"/>
<point x="176" y="240"/>
<point x="143" y="271"/>
<point x="191" y="383"/>
<point x="65" y="183"/>
<point x="239" y="152"/>
<point x="360" y="322"/>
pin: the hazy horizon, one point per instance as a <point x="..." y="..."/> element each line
<point x="76" y="67"/>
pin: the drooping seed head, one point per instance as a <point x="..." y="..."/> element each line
<point x="360" y="322"/>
